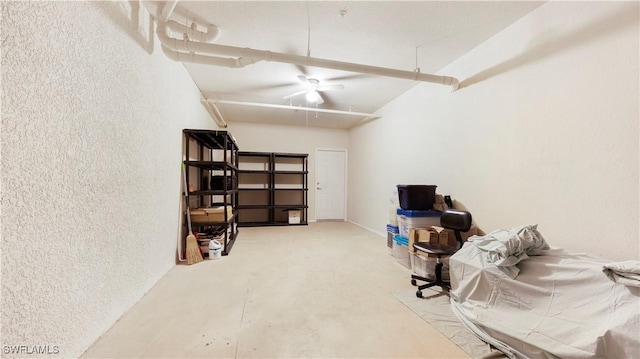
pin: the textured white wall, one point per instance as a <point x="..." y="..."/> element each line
<point x="92" y="114"/>
<point x="545" y="130"/>
<point x="294" y="139"/>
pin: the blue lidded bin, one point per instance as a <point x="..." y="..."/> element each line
<point x="408" y="219"/>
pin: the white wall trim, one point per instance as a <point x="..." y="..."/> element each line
<point x="381" y="234"/>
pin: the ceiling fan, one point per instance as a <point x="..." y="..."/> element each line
<point x="313" y="89"/>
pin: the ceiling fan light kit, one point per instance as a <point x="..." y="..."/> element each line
<point x="312" y="92"/>
<point x="314" y="97"/>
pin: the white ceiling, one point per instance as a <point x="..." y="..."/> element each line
<point x="392" y="34"/>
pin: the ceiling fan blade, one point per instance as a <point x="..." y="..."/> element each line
<point x="303" y="79"/>
<point x="330" y="87"/>
<point x="292" y="50"/>
<point x="266" y="87"/>
<point x="301" y="69"/>
<point x="328" y="101"/>
<point x="295" y="94"/>
<point x="348" y="77"/>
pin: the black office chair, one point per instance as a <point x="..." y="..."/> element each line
<point x="458" y="221"/>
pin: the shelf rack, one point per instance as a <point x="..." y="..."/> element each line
<point x="216" y="157"/>
<point x="270" y="184"/>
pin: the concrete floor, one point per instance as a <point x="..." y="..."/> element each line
<point x="322" y="290"/>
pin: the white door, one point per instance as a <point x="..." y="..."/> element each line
<point x="330" y="184"/>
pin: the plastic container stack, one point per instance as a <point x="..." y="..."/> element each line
<point x="401" y="250"/>
<point x="408" y="219"/>
<point x="426" y="267"/>
<point x="392" y="226"/>
<point x="416" y="204"/>
<point x="391" y="232"/>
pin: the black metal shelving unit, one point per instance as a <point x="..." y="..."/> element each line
<point x="269" y="186"/>
<point x="291" y="187"/>
<point x="254" y="189"/>
<point x="216" y="157"/>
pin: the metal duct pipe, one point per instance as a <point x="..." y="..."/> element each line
<point x="252" y="56"/>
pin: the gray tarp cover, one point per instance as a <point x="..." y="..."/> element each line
<point x="561" y="305"/>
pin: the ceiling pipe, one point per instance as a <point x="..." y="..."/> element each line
<point x="249" y="56"/>
<point x="213" y="111"/>
<point x="211" y="35"/>
<point x="196" y="58"/>
<point x="201" y="59"/>
<point x="167" y="10"/>
<point x="297" y="108"/>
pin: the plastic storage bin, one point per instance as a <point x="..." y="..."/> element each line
<point x="391" y="231"/>
<point x="416" y="219"/>
<point x="401" y="251"/>
<point x="416" y="197"/>
<point x="426" y="267"/>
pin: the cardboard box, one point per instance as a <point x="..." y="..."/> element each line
<point x="451" y="240"/>
<point x="436" y="234"/>
<point x="439" y="235"/>
<point x="294" y="216"/>
<point x="431" y="234"/>
<point x="418" y="235"/>
<point x="210" y="214"/>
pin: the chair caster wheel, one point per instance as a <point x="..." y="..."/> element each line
<point x="413" y="282"/>
<point x="419" y="294"/>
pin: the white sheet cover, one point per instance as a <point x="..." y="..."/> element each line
<point x="561" y="305"/>
<point x="507" y="247"/>
<point x="627" y="272"/>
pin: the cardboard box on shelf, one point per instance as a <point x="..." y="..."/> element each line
<point x="294" y="216"/>
<point x="211" y="214"/>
